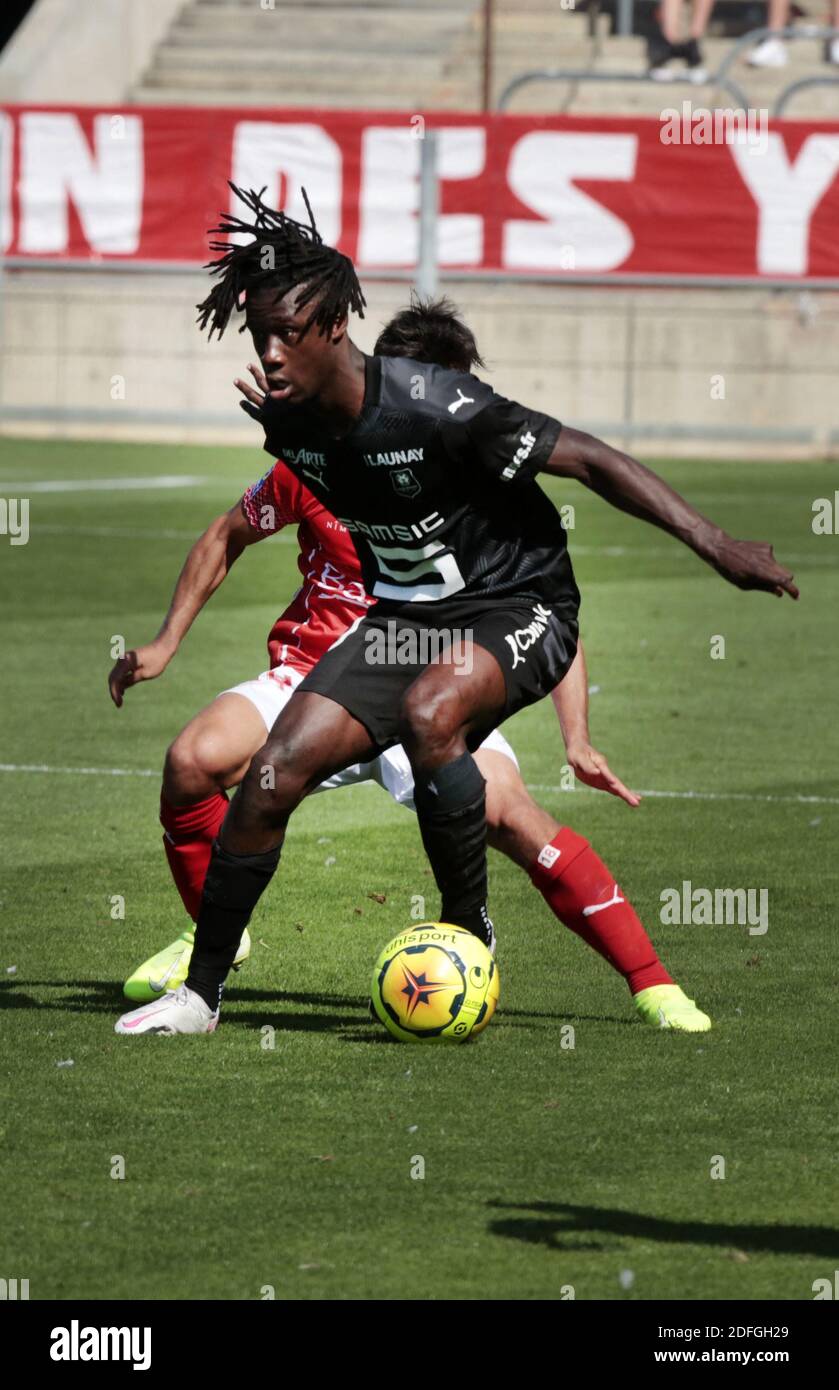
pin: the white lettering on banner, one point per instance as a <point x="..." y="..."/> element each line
<point x="388" y="211"/>
<point x="106" y="187"/>
<point x="7" y="144"/>
<point x="787" y="194"/>
<point x="534" y="194"/>
<point x="541" y="171"/>
<point x="297" y="155"/>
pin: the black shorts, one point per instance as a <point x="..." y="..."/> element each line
<point x="369" y="669"/>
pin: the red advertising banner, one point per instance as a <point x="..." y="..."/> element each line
<point x="564" y="196"/>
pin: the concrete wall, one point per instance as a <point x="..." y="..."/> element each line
<point x="117" y="354"/>
<point x="83" y="50"/>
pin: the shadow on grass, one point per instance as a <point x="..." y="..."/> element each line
<point x="106" y="996"/>
<point x="566" y="1016"/>
<point x="555" y="1225"/>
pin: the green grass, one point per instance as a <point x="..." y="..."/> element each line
<point x="546" y="1166"/>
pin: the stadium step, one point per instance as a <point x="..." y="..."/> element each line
<point x="415" y="54"/>
<point x="279" y="93"/>
<point x="327" y="25"/>
<point x="412" y="5"/>
<point x="246" y="62"/>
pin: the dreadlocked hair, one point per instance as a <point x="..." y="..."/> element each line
<point x="430" y="330"/>
<point x="283" y="254"/>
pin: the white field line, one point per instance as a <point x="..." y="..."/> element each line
<point x="290" y="538"/>
<point x="141" y="533"/>
<point x="679" y="553"/>
<point x="164" y="480"/>
<point x="81" y="771"/>
<point x="532" y="786"/>
<point x="705" y="796"/>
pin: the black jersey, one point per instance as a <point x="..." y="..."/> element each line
<point x="435" y="483"/>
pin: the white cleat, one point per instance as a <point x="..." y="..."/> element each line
<point x="770" y="53"/>
<point x="179" y="1011"/>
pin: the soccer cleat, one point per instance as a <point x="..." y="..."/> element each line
<point x="168" y="969"/>
<point x="179" y="1011"/>
<point x="667" y="1006"/>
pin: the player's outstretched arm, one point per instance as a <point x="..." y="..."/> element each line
<point x="207" y="565"/>
<point x="627" y="484"/>
<point x="570" y="699"/>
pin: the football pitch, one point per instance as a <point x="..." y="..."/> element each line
<point x="568" y="1152"/>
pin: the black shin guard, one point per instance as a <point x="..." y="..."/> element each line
<point x="451" y="809"/>
<point x="232" y="889"/>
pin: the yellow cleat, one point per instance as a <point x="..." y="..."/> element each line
<point x="667" y="1006"/>
<point x="167" y="971"/>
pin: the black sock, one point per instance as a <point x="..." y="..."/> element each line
<point x="232" y="889"/>
<point x="451" y="809"/>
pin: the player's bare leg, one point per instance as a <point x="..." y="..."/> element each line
<point x="213" y="751"/>
<point x="582" y="893"/>
<point x="211" y="755"/>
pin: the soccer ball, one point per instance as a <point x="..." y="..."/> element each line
<point x="435" y="982"/>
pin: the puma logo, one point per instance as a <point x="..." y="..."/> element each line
<point x="462" y="400"/>
<point x="601" y="907"/>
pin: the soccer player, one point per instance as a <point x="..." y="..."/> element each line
<point x="433" y="475"/>
<point x="212" y="753"/>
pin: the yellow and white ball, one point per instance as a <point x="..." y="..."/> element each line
<point x="435" y="983"/>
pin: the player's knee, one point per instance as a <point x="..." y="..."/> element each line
<point x="508" y="804"/>
<point x="429" y="718"/>
<point x="516" y="824"/>
<point x="192" y="760"/>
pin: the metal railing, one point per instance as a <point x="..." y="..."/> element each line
<point x="789" y="92"/>
<point x="720" y="79"/>
<point x="821" y="32"/>
<point x="586" y="75"/>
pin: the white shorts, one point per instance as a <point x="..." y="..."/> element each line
<point x="271" y="692"/>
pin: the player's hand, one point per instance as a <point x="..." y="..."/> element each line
<point x="142" y="664"/>
<point x="254" y="396"/>
<point x="592" y="768"/>
<point x="750" y="565"/>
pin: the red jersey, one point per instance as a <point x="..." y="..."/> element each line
<point x="332" y="596"/>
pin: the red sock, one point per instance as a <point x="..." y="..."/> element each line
<point x="573" y="880"/>
<point x="188" y="841"/>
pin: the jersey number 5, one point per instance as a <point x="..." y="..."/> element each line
<point x="421" y="574"/>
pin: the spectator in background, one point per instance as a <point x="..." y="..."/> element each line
<point x="666" y="43"/>
<point x="771" y="52"/>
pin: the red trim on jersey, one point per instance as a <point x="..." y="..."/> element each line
<point x="332" y="594"/>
